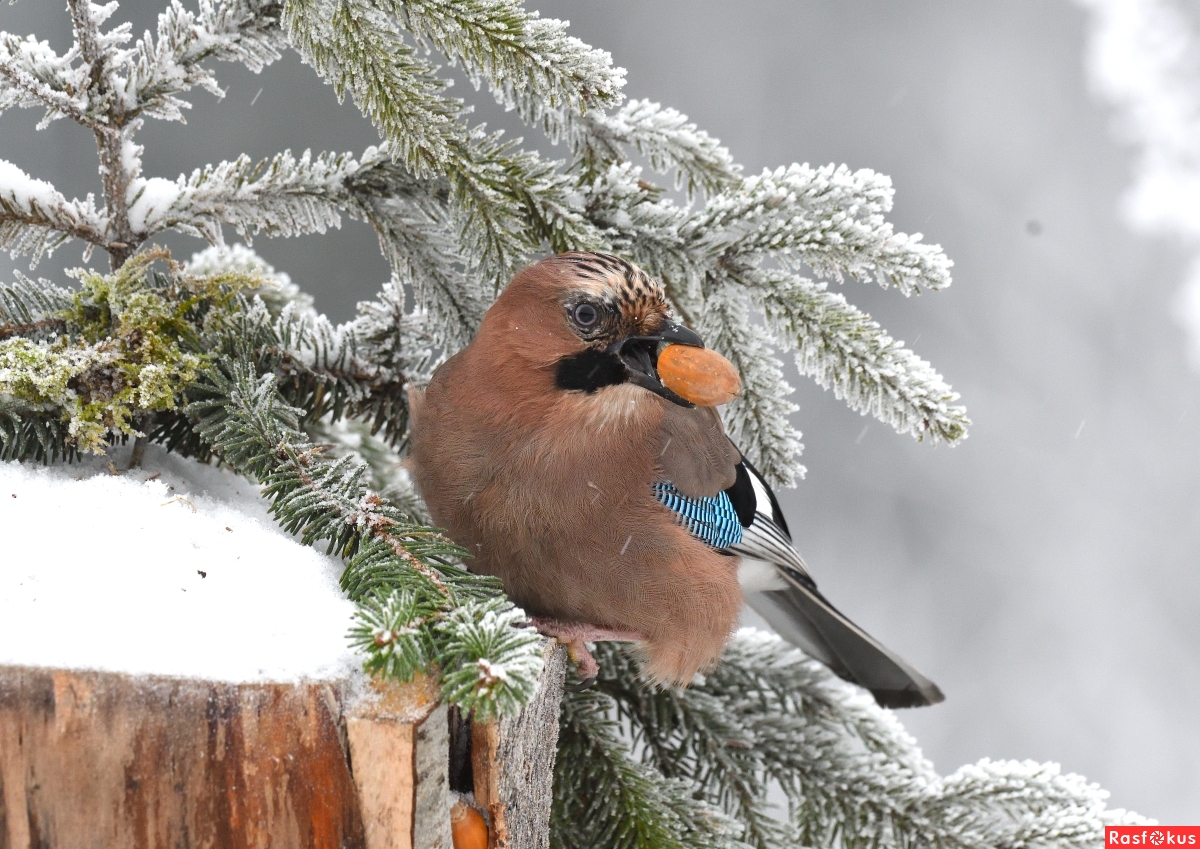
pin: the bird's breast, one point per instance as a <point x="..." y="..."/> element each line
<point x="624" y="408"/>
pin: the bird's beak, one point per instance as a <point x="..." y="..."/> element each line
<point x="639" y="354"/>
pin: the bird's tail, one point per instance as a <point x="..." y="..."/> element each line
<point x="802" y="616"/>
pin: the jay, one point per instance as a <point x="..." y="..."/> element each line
<point x="610" y="506"/>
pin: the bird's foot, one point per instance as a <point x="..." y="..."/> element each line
<point x="575" y="636"/>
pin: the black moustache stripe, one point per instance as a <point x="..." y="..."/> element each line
<point x="589" y="370"/>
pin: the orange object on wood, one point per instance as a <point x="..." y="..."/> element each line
<point x="699" y="375"/>
<point x="467" y="827"/>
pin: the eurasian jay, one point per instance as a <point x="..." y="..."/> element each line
<point x="610" y="506"/>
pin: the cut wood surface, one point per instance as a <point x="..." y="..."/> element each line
<point x="101" y="760"/>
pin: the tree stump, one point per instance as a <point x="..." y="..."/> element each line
<point x="99" y="760"/>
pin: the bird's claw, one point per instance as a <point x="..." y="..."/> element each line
<point x="575" y="636"/>
<point x="585" y="684"/>
<point x="585" y="664"/>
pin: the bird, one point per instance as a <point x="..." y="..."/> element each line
<point x="610" y="506"/>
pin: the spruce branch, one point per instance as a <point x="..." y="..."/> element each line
<point x="498" y="208"/>
<point x="508" y="203"/>
<point x="851" y="774"/>
<point x="35" y="218"/>
<point x="361" y="369"/>
<point x="503" y="202"/>
<point x="416" y="235"/>
<point x="30" y="307"/>
<point x="840" y="346"/>
<point x="34" y="435"/>
<point x="492" y="661"/>
<point x="391" y="630"/>
<point x="281" y="196"/>
<point x="665" y="137"/>
<point x="32" y="75"/>
<point x="354" y="438"/>
<point x="689" y="736"/>
<point x="829" y="218"/>
<point x="158" y="70"/>
<point x="603" y="797"/>
<point x="529" y="63"/>
<point x="358" y="48"/>
<point x="321" y="369"/>
<point x="241" y="415"/>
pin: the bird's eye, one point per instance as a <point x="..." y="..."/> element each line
<point x="586" y="315"/>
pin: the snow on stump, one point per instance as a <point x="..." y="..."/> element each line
<point x="174" y="671"/>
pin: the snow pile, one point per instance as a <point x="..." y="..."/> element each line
<point x="173" y="569"/>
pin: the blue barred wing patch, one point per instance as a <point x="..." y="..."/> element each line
<point x="711" y="520"/>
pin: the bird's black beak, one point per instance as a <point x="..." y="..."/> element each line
<point x="639" y="355"/>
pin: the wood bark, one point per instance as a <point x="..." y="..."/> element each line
<point x="96" y="760"/>
<point x="398" y="746"/>
<point x="90" y="759"/>
<point x="513" y="762"/>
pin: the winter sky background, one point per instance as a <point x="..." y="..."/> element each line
<point x="1046" y="572"/>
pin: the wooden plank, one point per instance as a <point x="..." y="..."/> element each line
<point x="512" y="762"/>
<point x="398" y="751"/>
<point x="91" y="759"/>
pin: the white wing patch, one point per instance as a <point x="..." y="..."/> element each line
<point x="759" y="576"/>
<point x="765" y="542"/>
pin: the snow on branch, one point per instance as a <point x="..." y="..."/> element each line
<point x="101" y="52"/>
<point x="420" y="247"/>
<point x="32" y="75"/>
<point x="852" y="776"/>
<point x="35" y="218"/>
<point x="281" y="196"/>
<point x="665" y="137"/>
<point x="358" y="48"/>
<point x="828" y="217"/>
<point x="528" y="62"/>
<point x="245" y="31"/>
<point x="840" y="346"/>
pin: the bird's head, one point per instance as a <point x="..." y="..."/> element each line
<point x="596" y="319"/>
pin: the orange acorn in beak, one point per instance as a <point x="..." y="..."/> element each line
<point x="699" y="375"/>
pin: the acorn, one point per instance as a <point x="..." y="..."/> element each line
<point x="467" y="828"/>
<point x="699" y="375"/>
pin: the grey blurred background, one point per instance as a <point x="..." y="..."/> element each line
<point x="1045" y="572"/>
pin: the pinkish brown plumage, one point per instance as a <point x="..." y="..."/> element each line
<point x="552" y="489"/>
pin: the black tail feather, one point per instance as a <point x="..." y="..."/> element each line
<point x="804" y="618"/>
